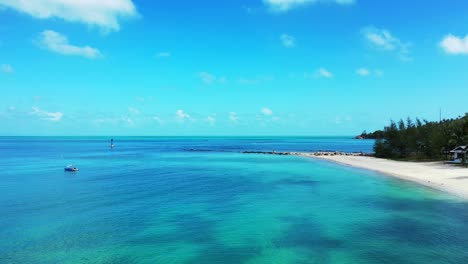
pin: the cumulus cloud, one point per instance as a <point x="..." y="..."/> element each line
<point x="288" y="41"/>
<point x="6" y="68"/>
<point x="210" y="120"/>
<point x="233" y="117"/>
<point x="143" y="98"/>
<point x="340" y="120"/>
<point x="323" y="73"/>
<point x="206" y="77"/>
<point x="367" y="72"/>
<point x="157" y="119"/>
<point x="382" y="39"/>
<point x="103" y="13"/>
<point x="286" y="5"/>
<point x="133" y="110"/>
<point x="209" y="78"/>
<point x="182" y="115"/>
<point x="154" y="119"/>
<point x="58" y="43"/>
<point x="127" y="120"/>
<point x="267" y="111"/>
<point x="455" y="45"/>
<point x="256" y="80"/>
<point x="363" y="71"/>
<point x="44" y="115"/>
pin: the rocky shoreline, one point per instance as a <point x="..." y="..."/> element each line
<point x="316" y="153"/>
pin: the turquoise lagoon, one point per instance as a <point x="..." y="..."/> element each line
<point x="200" y="200"/>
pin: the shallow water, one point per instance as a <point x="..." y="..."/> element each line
<point x="150" y="200"/>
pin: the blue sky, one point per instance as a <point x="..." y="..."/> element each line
<point x="247" y="67"/>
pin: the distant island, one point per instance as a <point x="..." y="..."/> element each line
<point x="373" y="135"/>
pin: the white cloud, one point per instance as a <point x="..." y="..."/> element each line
<point x="44" y="115"/>
<point x="8" y="111"/>
<point x="133" y="110"/>
<point x="455" y="45"/>
<point x="340" y="120"/>
<point x="323" y="73"/>
<point x="378" y="73"/>
<point x="256" y="80"/>
<point x="285" y="5"/>
<point x="209" y="78"/>
<point x="58" y="43"/>
<point x="288" y="41"/>
<point x="143" y="99"/>
<point x="233" y="117"/>
<point x="157" y="119"/>
<point x="102" y="13"/>
<point x="267" y="111"/>
<point x="163" y="54"/>
<point x="126" y="119"/>
<point x="6" y="68"/>
<point x="182" y="115"/>
<point x="102" y="119"/>
<point x="363" y="72"/>
<point x="382" y="39"/>
<point x="367" y="72"/>
<point x="211" y="120"/>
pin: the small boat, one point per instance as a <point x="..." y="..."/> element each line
<point x="71" y="168"/>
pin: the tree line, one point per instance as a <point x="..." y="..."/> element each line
<point x="421" y="140"/>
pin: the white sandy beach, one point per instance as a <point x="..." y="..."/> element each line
<point x="449" y="178"/>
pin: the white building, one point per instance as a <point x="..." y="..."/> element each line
<point x="459" y="153"/>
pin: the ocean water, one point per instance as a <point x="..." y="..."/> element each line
<point x="199" y="200"/>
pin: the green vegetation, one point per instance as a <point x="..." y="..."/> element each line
<point x="421" y="140"/>
<point x="374" y="135"/>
